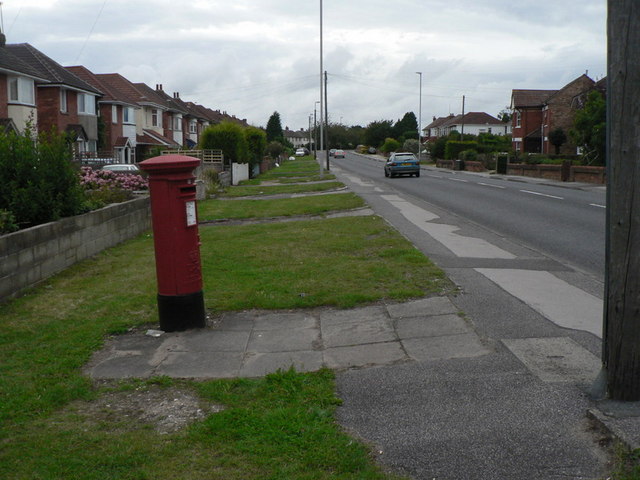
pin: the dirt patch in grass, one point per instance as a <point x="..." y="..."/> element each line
<point x="165" y="409"/>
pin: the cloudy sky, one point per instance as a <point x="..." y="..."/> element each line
<point x="253" y="57"/>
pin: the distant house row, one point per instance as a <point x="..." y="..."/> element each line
<point x="473" y="123"/>
<point x="106" y="115"/>
<point x="536" y="113"/>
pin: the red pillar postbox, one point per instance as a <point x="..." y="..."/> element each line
<point x="176" y="240"/>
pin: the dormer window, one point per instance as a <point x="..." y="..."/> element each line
<point x="154" y="118"/>
<point x="21" y="90"/>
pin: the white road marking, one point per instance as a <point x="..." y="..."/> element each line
<point x="565" y="305"/>
<point x="459" y="180"/>
<point x="490" y="185"/>
<point x="541" y="194"/>
<point x="461" y="246"/>
<point x="434" y="176"/>
<point x="596" y="205"/>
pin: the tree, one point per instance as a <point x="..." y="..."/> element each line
<point x="557" y="138"/>
<point x="504" y="115"/>
<point x="409" y="123"/>
<point x="410" y="145"/>
<point x="589" y="129"/>
<point x="228" y="137"/>
<point x="275" y="149"/>
<point x="376" y="132"/>
<point x="256" y="143"/>
<point x="274" y="128"/>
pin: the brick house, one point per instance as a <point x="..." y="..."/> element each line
<point x="65" y="102"/>
<point x="538" y="112"/>
<point x="117" y="111"/>
<point x="17" y="91"/>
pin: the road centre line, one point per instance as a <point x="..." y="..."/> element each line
<point x="596" y="205"/>
<point x="459" y="180"/>
<point x="541" y="194"/>
<point x="490" y="185"/>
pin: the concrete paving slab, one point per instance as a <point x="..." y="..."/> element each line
<point x="123" y="366"/>
<point x="280" y="321"/>
<point x="364" y="355"/>
<point x="357" y="332"/>
<point x="557" y="300"/>
<point x="284" y="340"/>
<point x="557" y="359"/>
<point x="260" y="364"/>
<point x="221" y="341"/>
<point x="445" y="347"/>
<point x="424" y="306"/>
<point x="201" y="365"/>
<point x="334" y="317"/>
<point x="432" y="326"/>
<point x="236" y="321"/>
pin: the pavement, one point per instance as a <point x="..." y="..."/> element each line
<point x="439" y="387"/>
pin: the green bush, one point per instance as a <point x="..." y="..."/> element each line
<point x="228" y="137"/>
<point x="390" y="145"/>
<point x="7" y="222"/>
<point x="256" y="140"/>
<point x="469" y="155"/>
<point x="38" y="182"/>
<point x="453" y="148"/>
<point x="410" y="145"/>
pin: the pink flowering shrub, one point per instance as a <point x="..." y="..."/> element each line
<point x="103" y="186"/>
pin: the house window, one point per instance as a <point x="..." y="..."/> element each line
<point x="63" y="100"/>
<point x="193" y="126"/>
<point x="86" y="104"/>
<point x="177" y="123"/>
<point x="127" y="115"/>
<point x="154" y="118"/>
<point x="21" y="90"/>
<point x="518" y="118"/>
<point x="114" y="114"/>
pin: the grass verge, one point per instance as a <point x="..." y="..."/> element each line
<point x="243" y="209"/>
<point x="49" y="334"/>
<point x="250" y="190"/>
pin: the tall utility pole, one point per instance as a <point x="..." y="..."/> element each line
<point x="420" y="117"/>
<point x="310" y="142"/>
<point x="462" y="120"/>
<point x="621" y="335"/>
<point x="321" y="84"/>
<point x="326" y="116"/>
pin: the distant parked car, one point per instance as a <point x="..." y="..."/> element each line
<point x="338" y="154"/>
<point x="402" y="163"/>
<point x="332" y="152"/>
<point x="300" y="152"/>
<point x="122" y="168"/>
<point x="372" y="150"/>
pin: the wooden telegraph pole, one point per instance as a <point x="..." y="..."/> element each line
<point x="621" y="342"/>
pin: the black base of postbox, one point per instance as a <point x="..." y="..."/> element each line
<point x="181" y="312"/>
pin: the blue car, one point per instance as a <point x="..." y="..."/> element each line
<point x="402" y="163"/>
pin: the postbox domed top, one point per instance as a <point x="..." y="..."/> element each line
<point x="170" y="163"/>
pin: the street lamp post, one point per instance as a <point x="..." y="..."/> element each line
<point x="315" y="132"/>
<point x="321" y="84"/>
<point x="420" y="117"/>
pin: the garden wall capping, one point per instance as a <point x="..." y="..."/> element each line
<point x="29" y="256"/>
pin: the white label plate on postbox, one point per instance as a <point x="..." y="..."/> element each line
<point x="191" y="214"/>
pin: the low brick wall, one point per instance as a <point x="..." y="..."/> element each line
<point x="588" y="174"/>
<point x="444" y="164"/>
<point x="577" y="173"/>
<point x="472" y="166"/>
<point x="34" y="254"/>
